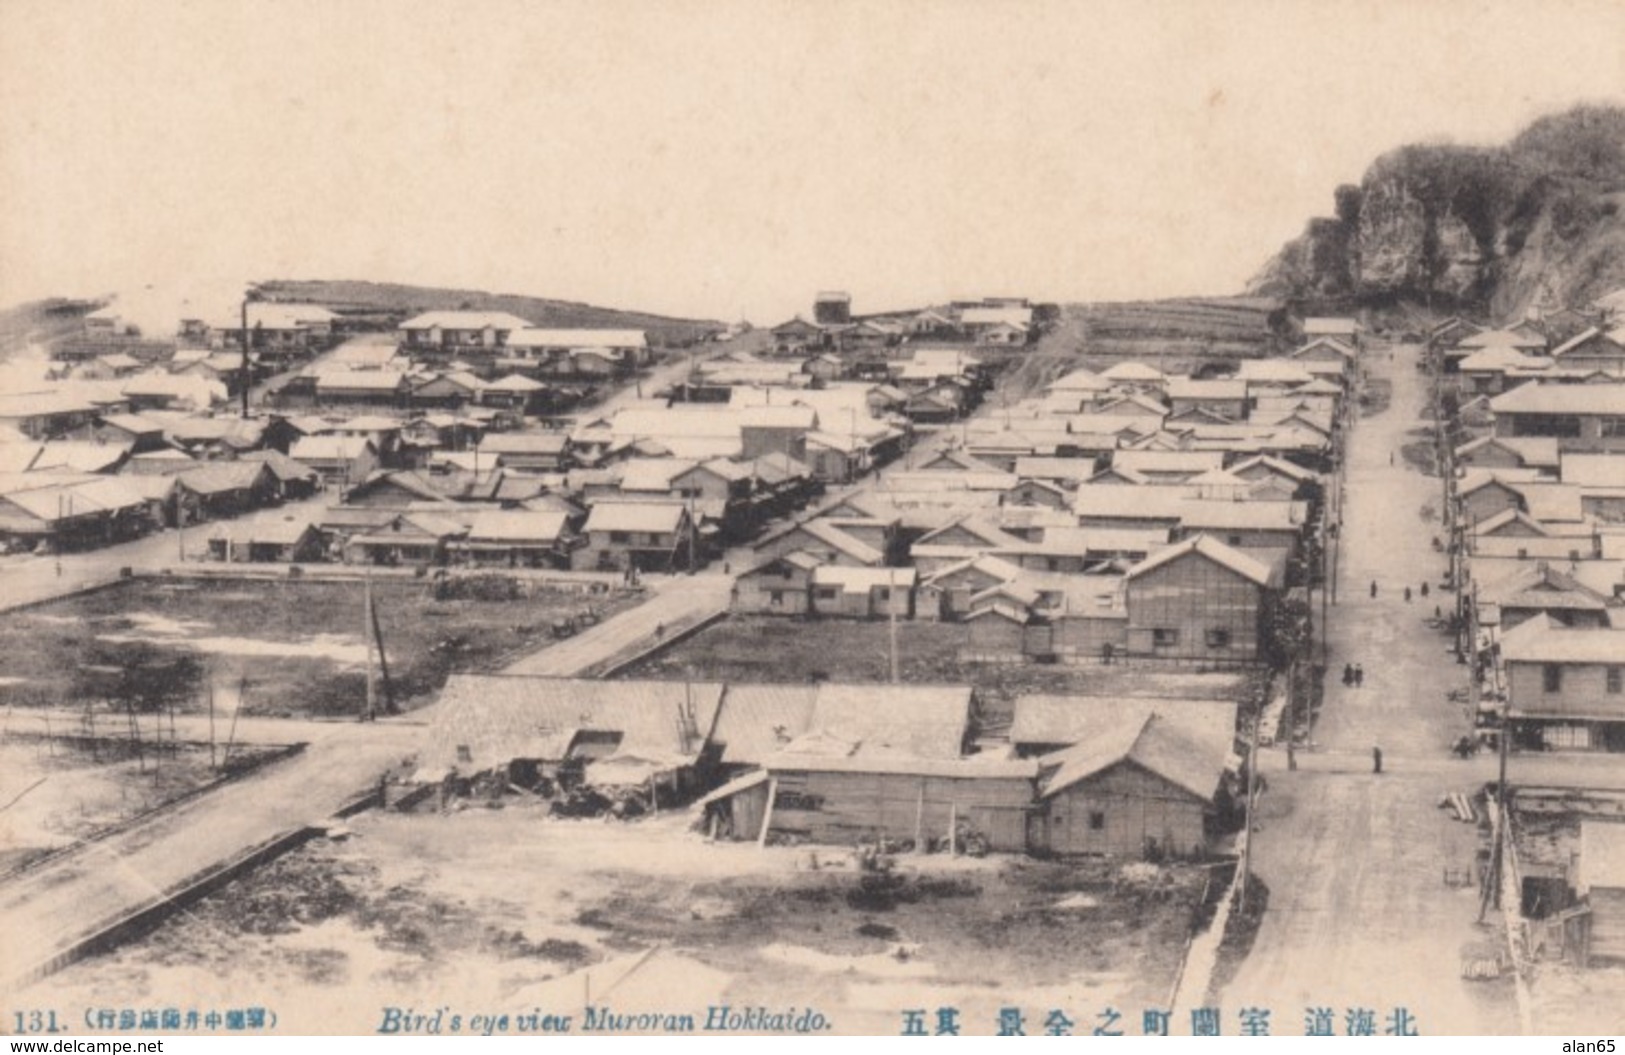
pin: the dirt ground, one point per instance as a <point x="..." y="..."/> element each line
<point x="54" y="793"/>
<point x="298" y="646"/>
<point x="474" y="908"/>
<point x="769" y="649"/>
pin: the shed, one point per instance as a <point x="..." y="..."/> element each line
<point x="1601" y="882"/>
<point x="1143" y="788"/>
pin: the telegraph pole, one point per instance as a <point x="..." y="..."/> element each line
<point x="891" y="603"/>
<point x="367" y="633"/>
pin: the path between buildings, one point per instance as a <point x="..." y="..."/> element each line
<point x="1359" y="915"/>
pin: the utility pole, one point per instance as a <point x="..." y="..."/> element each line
<point x="891" y="603"/>
<point x="367" y="632"/>
<point x="244" y="374"/>
<point x="212" y="763"/>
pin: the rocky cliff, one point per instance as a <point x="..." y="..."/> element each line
<point x="1497" y="229"/>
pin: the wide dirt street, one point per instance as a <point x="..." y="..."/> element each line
<point x="1359" y="914"/>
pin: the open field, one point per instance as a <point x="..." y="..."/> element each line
<point x="477" y="909"/>
<point x="288" y="647"/>
<point x="776" y="649"/>
<point x="54" y="792"/>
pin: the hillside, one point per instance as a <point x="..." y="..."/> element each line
<point x="1180" y="335"/>
<point x="1494" y="229"/>
<point x="391" y="302"/>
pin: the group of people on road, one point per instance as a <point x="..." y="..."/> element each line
<point x="1353" y="675"/>
<point x="1423" y="590"/>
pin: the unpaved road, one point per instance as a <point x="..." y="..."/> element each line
<point x="1359" y="914"/>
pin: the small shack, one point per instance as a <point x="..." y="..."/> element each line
<point x="1601" y="885"/>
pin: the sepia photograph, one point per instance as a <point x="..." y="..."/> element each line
<point x="789" y="518"/>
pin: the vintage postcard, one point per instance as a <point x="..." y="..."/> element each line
<point x="903" y="518"/>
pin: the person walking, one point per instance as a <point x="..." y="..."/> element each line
<point x="1424" y="589"/>
<point x="1359" y="676"/>
<point x="1407" y="595"/>
<point x="1376" y="759"/>
<point x="1373" y="587"/>
<point x="1348" y="674"/>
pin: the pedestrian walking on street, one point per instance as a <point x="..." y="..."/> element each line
<point x="1348" y="674"/>
<point x="1373" y="587"/>
<point x="1407" y="595"/>
<point x="1376" y="759"/>
<point x="1424" y="589"/>
<point x="1359" y="676"/>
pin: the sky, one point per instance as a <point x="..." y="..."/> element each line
<point x="728" y="159"/>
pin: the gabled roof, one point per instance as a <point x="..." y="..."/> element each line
<point x="1535" y="398"/>
<point x="326" y="448"/>
<point x="1168" y="462"/>
<point x="285" y="532"/>
<point x="1542" y="586"/>
<point x="553" y="443"/>
<point x="756" y="721"/>
<point x="536" y="337"/>
<point x="658" y="517"/>
<point x="465" y="320"/>
<point x="904" y="721"/>
<point x="1334" y="325"/>
<point x="281" y="466"/>
<point x="1274" y="371"/>
<point x="1328" y="342"/>
<point x="498" y="718"/>
<point x="1046" y="718"/>
<point x="1540" y="640"/>
<point x="1133" y="372"/>
<point x="218" y="477"/>
<point x="1226" y="389"/>
<point x="519" y="525"/>
<point x="1530" y="450"/>
<point x="1080" y="380"/>
<point x="1491" y="525"/>
<point x="361" y="380"/>
<point x="1505" y="338"/>
<point x="515" y="383"/>
<point x="1593" y="470"/>
<point x="1277" y="466"/>
<point x="1153" y="743"/>
<point x="1213" y="550"/>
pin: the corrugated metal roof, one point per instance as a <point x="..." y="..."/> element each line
<point x="1180" y="755"/>
<point x="664" y="517"/>
<point x="756" y="721"/>
<point x="498" y="718"/>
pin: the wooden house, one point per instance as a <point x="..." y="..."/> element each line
<point x="266" y="542"/>
<point x="451" y="333"/>
<point x="402" y="539"/>
<point x="1143" y="789"/>
<point x="1565" y="687"/>
<point x="647" y="536"/>
<point x="515" y="538"/>
<point x="863" y="593"/>
<point x="1200" y="600"/>
<point x="781" y="586"/>
<point x="339" y="460"/>
<point x="1581" y="417"/>
<point x="218" y="490"/>
<point x="1594" y="349"/>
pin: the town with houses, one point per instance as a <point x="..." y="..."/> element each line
<point x="857" y="596"/>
